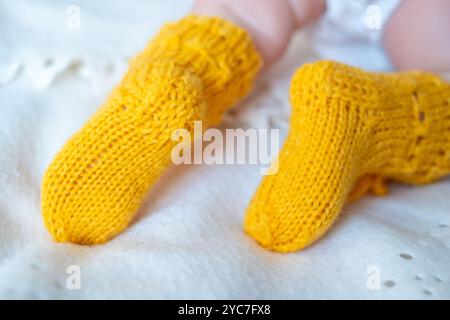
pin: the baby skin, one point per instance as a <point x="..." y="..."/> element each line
<point x="350" y="130"/>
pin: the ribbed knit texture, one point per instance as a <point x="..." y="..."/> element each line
<point x="350" y="131"/>
<point x="192" y="70"/>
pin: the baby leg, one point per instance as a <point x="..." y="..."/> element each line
<point x="193" y="70"/>
<point x="418" y="35"/>
<point x="270" y="23"/>
<point x="349" y="130"/>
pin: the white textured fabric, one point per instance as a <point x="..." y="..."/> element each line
<point x="187" y="241"/>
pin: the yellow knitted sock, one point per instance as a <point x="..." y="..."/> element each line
<point x="349" y="130"/>
<point x="192" y="70"/>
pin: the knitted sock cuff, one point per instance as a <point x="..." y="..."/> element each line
<point x="429" y="153"/>
<point x="221" y="54"/>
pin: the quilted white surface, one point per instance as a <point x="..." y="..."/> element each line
<point x="187" y="241"/>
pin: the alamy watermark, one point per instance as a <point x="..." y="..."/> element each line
<point x="373" y="17"/>
<point x="73" y="20"/>
<point x="73" y="281"/>
<point x="374" y="277"/>
<point x="236" y="146"/>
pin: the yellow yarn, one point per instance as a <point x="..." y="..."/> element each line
<point x="350" y="130"/>
<point x="193" y="70"/>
